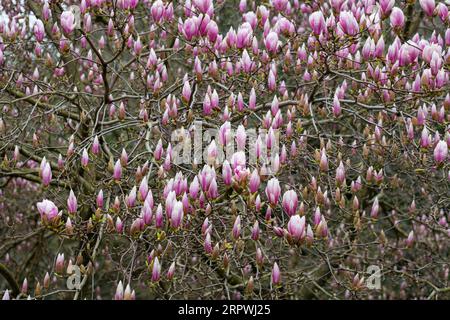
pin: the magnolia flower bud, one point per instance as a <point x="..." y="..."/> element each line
<point x="254" y="181"/>
<point x="117" y="174"/>
<point x="397" y="18"/>
<point x="375" y="208"/>
<point x="208" y="244"/>
<point x="156" y="270"/>
<point x="276" y="275"/>
<point x="410" y="240"/>
<point x="290" y="202"/>
<point x="237" y="228"/>
<point x="95" y="149"/>
<point x="317" y="22"/>
<point x="6" y="295"/>
<point x="119" y="225"/>
<point x="428" y="7"/>
<point x="176" y="216"/>
<point x="255" y="231"/>
<point x="72" y="203"/>
<point x="67" y="22"/>
<point x="46" y="174"/>
<point x="99" y="199"/>
<point x="296" y="227"/>
<point x="47" y="209"/>
<point x="273" y="191"/>
<point x="119" y="291"/>
<point x="59" y="265"/>
<point x="440" y="152"/>
<point x="171" y="271"/>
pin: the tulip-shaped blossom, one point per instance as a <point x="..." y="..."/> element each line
<point x="171" y="271"/>
<point x="67" y="22"/>
<point x="273" y="191"/>
<point x="176" y="216"/>
<point x="72" y="203"/>
<point x="340" y="174"/>
<point x="280" y="5"/>
<point x="336" y="106"/>
<point x="271" y="42"/>
<point x="323" y="164"/>
<point x="428" y="6"/>
<point x="46" y="174"/>
<point x="255" y="231"/>
<point x="276" y="275"/>
<point x="117" y="173"/>
<point x="237" y="228"/>
<point x="386" y="6"/>
<point x="241" y="137"/>
<point x="84" y="158"/>
<point x="119" y="291"/>
<point x="95" y="149"/>
<point x="440" y="151"/>
<point x="147" y="213"/>
<point x="238" y="163"/>
<point x="397" y="18"/>
<point x="348" y="23"/>
<point x="99" y="199"/>
<point x="59" y="263"/>
<point x="375" y="208"/>
<point x="290" y="202"/>
<point x="254" y="181"/>
<point x="227" y="173"/>
<point x="143" y="189"/>
<point x="317" y="22"/>
<point x="131" y="198"/>
<point x="47" y="209"/>
<point x="208" y="244"/>
<point x="296" y="227"/>
<point x="156" y="270"/>
<point x="39" y="31"/>
<point x="225" y="133"/>
<point x="410" y="240"/>
<point x="119" y="225"/>
<point x="212" y="31"/>
<point x="194" y="188"/>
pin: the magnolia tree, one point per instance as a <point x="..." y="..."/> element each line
<point x="224" y="150"/>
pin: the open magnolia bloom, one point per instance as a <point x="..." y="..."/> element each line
<point x="210" y="149"/>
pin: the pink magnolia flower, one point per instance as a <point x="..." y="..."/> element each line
<point x="440" y="151"/>
<point x="254" y="181"/>
<point x="397" y="18"/>
<point x="237" y="228"/>
<point x="348" y="23"/>
<point x="176" y="217"/>
<point x="117" y="173"/>
<point x="271" y="42"/>
<point x="67" y="22"/>
<point x="46" y="174"/>
<point x="317" y="22"/>
<point x="290" y="202"/>
<point x="72" y="204"/>
<point x="47" y="209"/>
<point x="273" y="191"/>
<point x="39" y="31"/>
<point x="99" y="199"/>
<point x="428" y="6"/>
<point x="84" y="158"/>
<point x="276" y="274"/>
<point x="296" y="227"/>
<point x="156" y="270"/>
